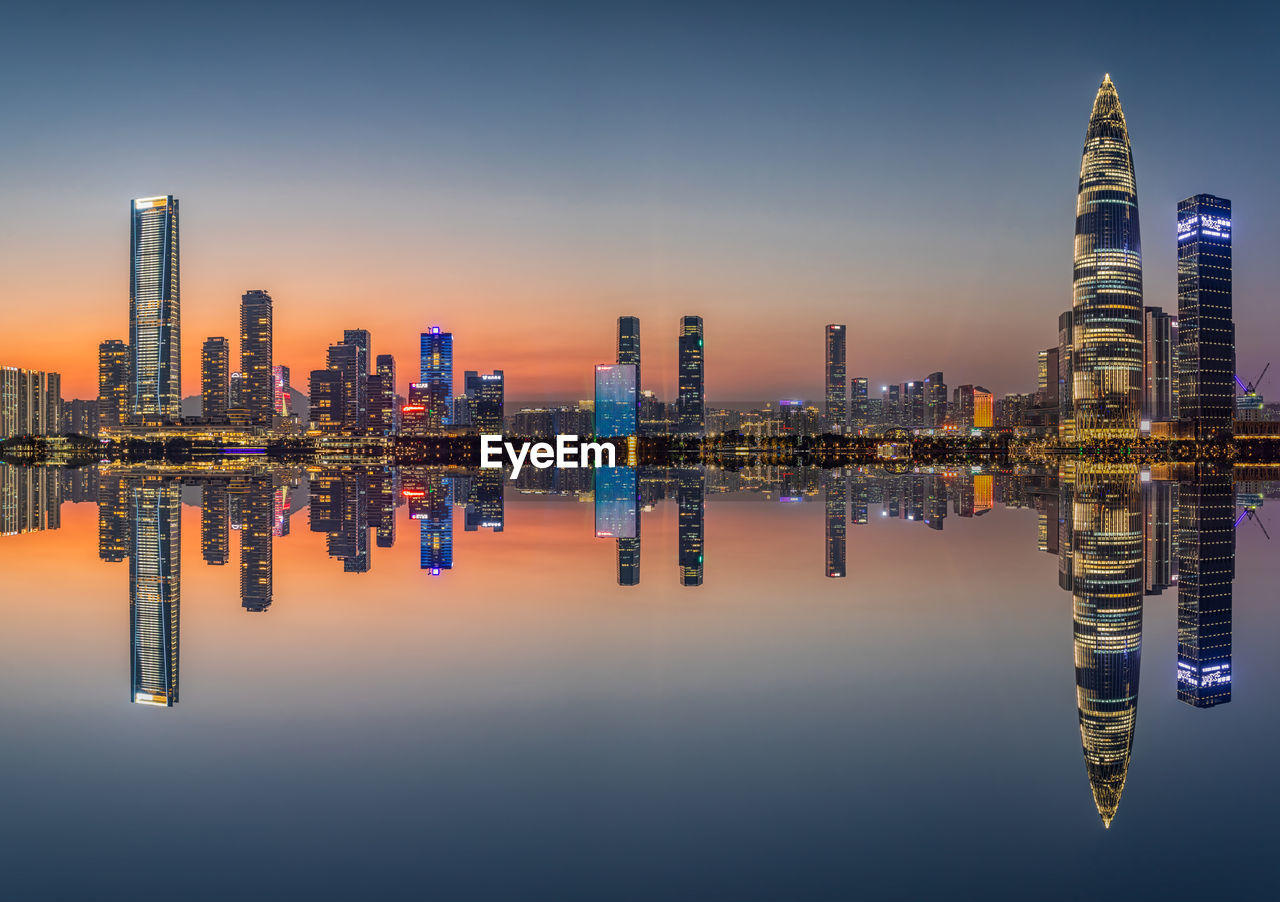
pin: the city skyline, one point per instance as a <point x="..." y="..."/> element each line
<point x="761" y="258"/>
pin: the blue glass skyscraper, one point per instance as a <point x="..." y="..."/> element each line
<point x="616" y="410"/>
<point x="155" y="311"/>
<point x="436" y="374"/>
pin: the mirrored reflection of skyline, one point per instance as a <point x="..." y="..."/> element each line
<point x="1121" y="535"/>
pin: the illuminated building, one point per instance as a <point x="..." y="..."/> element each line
<point x="691" y="398"/>
<point x="80" y="417"/>
<point x="1047" y="370"/>
<point x="837" y="499"/>
<point x="859" y="415"/>
<point x="257" y="385"/>
<point x="214" y="532"/>
<point x="1206" y="329"/>
<point x="384" y="413"/>
<point x="155" y="579"/>
<point x="836" y="413"/>
<point x="934" y="392"/>
<point x="483" y="497"/>
<point x="327" y="400"/>
<point x="436" y="380"/>
<point x="1159" y="518"/>
<point x="155" y="310"/>
<point x="481" y="403"/>
<point x="1206" y="568"/>
<point x="615" y="403"/>
<point x="235" y="395"/>
<point x="690" y="506"/>
<point x="1106" y="354"/>
<point x="215" y="377"/>
<point x="983" y="408"/>
<point x="280" y="402"/>
<point x="1066" y="406"/>
<point x="30" y="402"/>
<point x="1159" y="373"/>
<point x="1107" y="583"/>
<point x="358" y="395"/>
<point x="349" y="361"/>
<point x="629" y="352"/>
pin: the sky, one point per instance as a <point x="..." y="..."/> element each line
<point x="522" y="176"/>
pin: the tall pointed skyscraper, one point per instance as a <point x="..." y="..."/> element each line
<point x="1107" y="302"/>
<point x="155" y="311"/>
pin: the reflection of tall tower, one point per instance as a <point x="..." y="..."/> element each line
<point x="255" y="541"/>
<point x="1107" y="604"/>
<point x="1206" y="567"/>
<point x="617" y="509"/>
<point x="1106" y="356"/>
<point x="837" y="522"/>
<point x="1158" y="509"/>
<point x="431" y="504"/>
<point x="214" y="538"/>
<point x="690" y="503"/>
<point x="155" y="578"/>
<point x="113" y="517"/>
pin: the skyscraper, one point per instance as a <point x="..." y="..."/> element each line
<point x="327" y="400"/>
<point x="387" y="420"/>
<point x="280" y="381"/>
<point x="1158" y="372"/>
<point x="114" y="363"/>
<point x="30" y="402"/>
<point x="215" y="377"/>
<point x="344" y="359"/>
<point x="489" y="403"/>
<point x="257" y="383"/>
<point x="359" y="405"/>
<point x="615" y="400"/>
<point x="858" y="413"/>
<point x="1066" y="405"/>
<point x="1206" y="329"/>
<point x="155" y="311"/>
<point x="436" y="379"/>
<point x="1107" y="296"/>
<point x="836" y="413"/>
<point x="691" y="398"/>
<point x="935" y="401"/>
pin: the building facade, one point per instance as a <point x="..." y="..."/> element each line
<point x="155" y="310"/>
<point x="1159" y="353"/>
<point x="1107" y="280"/>
<point x="215" y="377"/>
<point x="691" y="400"/>
<point x="1206" y="327"/>
<point x="257" y="382"/>
<point x="615" y="400"/>
<point x="436" y="379"/>
<point x="836" y="412"/>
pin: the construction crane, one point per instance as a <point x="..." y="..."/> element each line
<point x="1252" y="514"/>
<point x="1252" y="387"/>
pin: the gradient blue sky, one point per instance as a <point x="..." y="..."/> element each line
<point x="524" y="175"/>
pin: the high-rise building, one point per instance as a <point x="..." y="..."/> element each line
<point x="629" y="343"/>
<point x="155" y="310"/>
<point x="690" y="506"/>
<point x="344" y="359"/>
<point x="436" y="378"/>
<point x="1206" y="568"/>
<point x="691" y="398"/>
<point x="80" y="417"/>
<point x="836" y="413"/>
<point x="858" y="412"/>
<point x="215" y="377"/>
<point x="983" y="408"/>
<point x="935" y="401"/>
<point x="615" y="409"/>
<point x="1206" y="328"/>
<point x="487" y="407"/>
<point x="1158" y="373"/>
<point x="358" y="407"/>
<point x="387" y="421"/>
<point x="1107" y="306"/>
<point x="30" y="402"/>
<point x="327" y="400"/>
<point x="1066" y="406"/>
<point x="155" y="579"/>
<point x="114" y="363"/>
<point x="257" y="383"/>
<point x="280" y="400"/>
